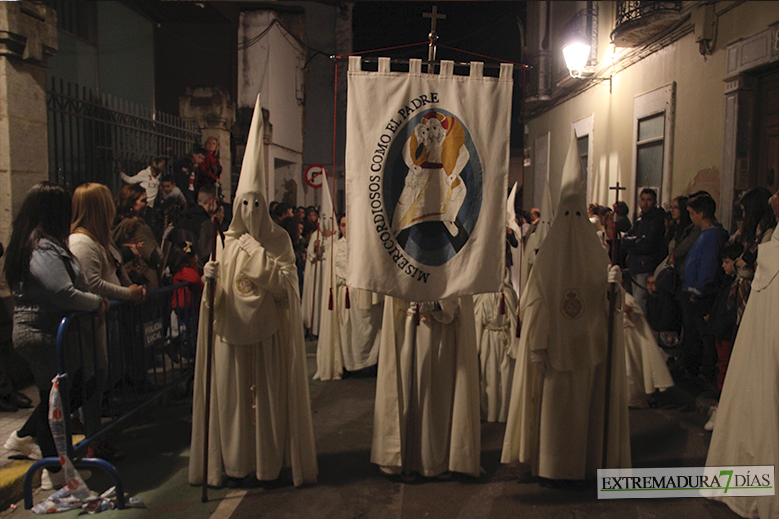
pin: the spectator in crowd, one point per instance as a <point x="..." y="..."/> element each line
<point x="683" y="234"/>
<point x="170" y="192"/>
<point x="701" y="271"/>
<point x="91" y="244"/>
<point x="312" y="221"/>
<point x="592" y="214"/>
<point x="272" y="206"/>
<point x="606" y="218"/>
<point x="11" y="400"/>
<point x="148" y="178"/>
<point x="186" y="171"/>
<point x="130" y="229"/>
<point x="198" y="222"/>
<point x="644" y="244"/>
<point x="621" y="212"/>
<point x="300" y="213"/>
<point x="535" y="215"/>
<point x="721" y="319"/>
<point x="47" y="283"/>
<point x="210" y="170"/>
<point x="757" y="227"/>
<point x="185" y="268"/>
<point x="282" y="211"/>
<point x="171" y="202"/>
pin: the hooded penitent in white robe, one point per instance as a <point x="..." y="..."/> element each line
<point x="747" y="428"/>
<point x="260" y="410"/>
<point x="316" y="278"/>
<point x="557" y="411"/>
<point x="349" y="337"/>
<point x="317" y="268"/>
<point x="646" y="368"/>
<point x="497" y="342"/>
<point x="516" y="252"/>
<point x="426" y="419"/>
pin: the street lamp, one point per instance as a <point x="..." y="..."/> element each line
<point x="576" y="52"/>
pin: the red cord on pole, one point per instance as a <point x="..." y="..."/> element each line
<point x="330" y="301"/>
<point x="416" y="316"/>
<point x="502" y="303"/>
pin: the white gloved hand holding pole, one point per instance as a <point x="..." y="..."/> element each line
<point x="615" y="275"/>
<point x="211" y="270"/>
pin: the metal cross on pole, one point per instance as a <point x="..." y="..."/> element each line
<point x="433" y="36"/>
<point x="610" y="336"/>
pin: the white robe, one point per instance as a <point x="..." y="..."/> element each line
<point x="427" y="391"/>
<point x="747" y="428"/>
<point x="557" y="415"/>
<point x="260" y="410"/>
<point x="349" y="337"/>
<point x="496" y="341"/>
<point x="317" y="270"/>
<point x="646" y="368"/>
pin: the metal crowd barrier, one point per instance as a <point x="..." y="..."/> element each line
<point x="149" y="351"/>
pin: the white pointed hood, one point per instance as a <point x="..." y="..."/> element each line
<point x="570" y="276"/>
<point x="511" y="214"/>
<point x="250" y="209"/>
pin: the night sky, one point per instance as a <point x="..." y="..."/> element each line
<point x="488" y="28"/>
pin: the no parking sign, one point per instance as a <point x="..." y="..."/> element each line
<point x="314" y="174"/>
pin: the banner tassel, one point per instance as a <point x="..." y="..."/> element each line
<point x="416" y="316"/>
<point x="519" y="325"/>
<point x="330" y="301"/>
<point x="347" y="302"/>
<point x="502" y="303"/>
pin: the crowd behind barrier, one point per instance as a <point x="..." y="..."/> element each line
<point x="150" y="352"/>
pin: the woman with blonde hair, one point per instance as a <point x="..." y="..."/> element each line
<point x="90" y="242"/>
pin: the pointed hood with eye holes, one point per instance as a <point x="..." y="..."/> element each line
<point x="570" y="281"/>
<point x="250" y="209"/>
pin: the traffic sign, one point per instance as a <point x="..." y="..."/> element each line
<point x="314" y="174"/>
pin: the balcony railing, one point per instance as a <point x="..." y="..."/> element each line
<point x="638" y="21"/>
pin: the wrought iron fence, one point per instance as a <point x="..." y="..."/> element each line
<point x="92" y="135"/>
<point x="631" y="10"/>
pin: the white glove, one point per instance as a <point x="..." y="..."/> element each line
<point x="540" y="359"/>
<point x="211" y="270"/>
<point x="249" y="244"/>
<point x="615" y="275"/>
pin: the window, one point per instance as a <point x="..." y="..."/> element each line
<point x="584" y="137"/>
<point x="653" y="114"/>
<point x="649" y="151"/>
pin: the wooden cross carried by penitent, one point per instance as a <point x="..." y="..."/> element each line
<point x="433" y="36"/>
<point x="610" y="335"/>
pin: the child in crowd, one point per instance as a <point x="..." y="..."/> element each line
<point x="184" y="267"/>
<point x="721" y="320"/>
<point x="722" y="317"/>
<point x="171" y="194"/>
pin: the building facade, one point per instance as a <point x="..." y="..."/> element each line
<point x="677" y="96"/>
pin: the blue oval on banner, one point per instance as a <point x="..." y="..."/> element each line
<point x="433" y="186"/>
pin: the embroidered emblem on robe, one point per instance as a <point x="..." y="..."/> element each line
<point x="572" y="306"/>
<point x="245" y="286"/>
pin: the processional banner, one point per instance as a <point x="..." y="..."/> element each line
<point x="426" y="179"/>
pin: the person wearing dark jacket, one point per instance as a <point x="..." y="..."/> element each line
<point x="721" y="320"/>
<point x="645" y="244"/>
<point x="702" y="272"/>
<point x="197" y="222"/>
